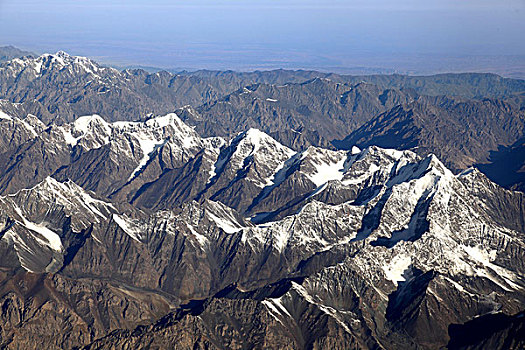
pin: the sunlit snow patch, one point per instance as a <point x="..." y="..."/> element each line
<point x="128" y="226"/>
<point x="395" y="271"/>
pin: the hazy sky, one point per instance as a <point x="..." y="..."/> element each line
<point x="251" y="33"/>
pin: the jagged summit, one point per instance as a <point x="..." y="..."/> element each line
<point x="372" y="245"/>
<point x="47" y="63"/>
<point x="235" y="222"/>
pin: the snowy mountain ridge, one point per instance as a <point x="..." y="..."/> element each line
<point x="375" y="244"/>
<point x="61" y="60"/>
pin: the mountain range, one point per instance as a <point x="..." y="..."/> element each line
<point x="297" y="212"/>
<point x="298" y="108"/>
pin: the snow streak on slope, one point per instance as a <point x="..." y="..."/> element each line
<point x="51" y="239"/>
<point x="128" y="226"/>
<point x="328" y="165"/>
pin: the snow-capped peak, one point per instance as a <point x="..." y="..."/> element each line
<point x="87" y="124"/>
<point x="30" y="123"/>
<point x="39" y="216"/>
<point x="262" y="149"/>
<point x="255" y="138"/>
<point x="90" y="131"/>
<point x="63" y="54"/>
<point x="70" y="196"/>
<point x="53" y="62"/>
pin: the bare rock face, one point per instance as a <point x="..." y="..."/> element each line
<point x="70" y="87"/>
<point x="465" y="119"/>
<point x="146" y="235"/>
<point x="300" y="114"/>
<point x="462" y="132"/>
<point x="8" y="53"/>
<point x="51" y="311"/>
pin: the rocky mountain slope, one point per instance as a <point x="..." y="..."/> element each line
<point x="465" y="85"/>
<point x="146" y="235"/>
<point x="477" y="113"/>
<point x="7" y="53"/>
<point x="319" y="110"/>
<point x="461" y="132"/>
<point x="506" y="165"/>
<point x="61" y="88"/>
